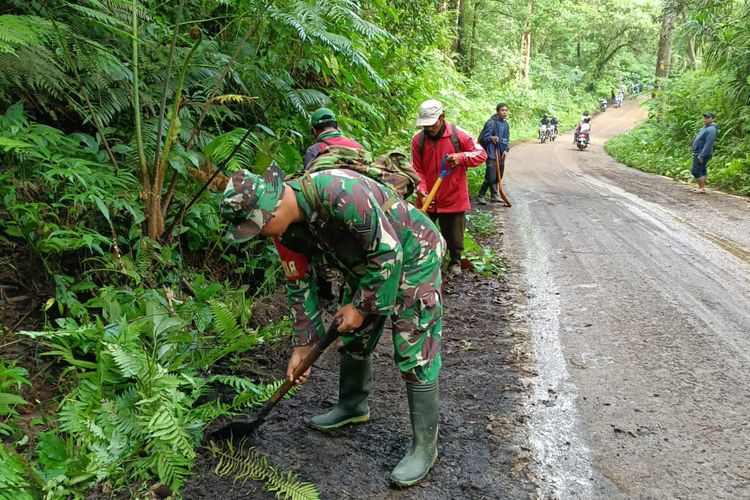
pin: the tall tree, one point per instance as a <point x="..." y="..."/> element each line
<point x="664" y="49"/>
<point x="526" y="44"/>
<point x="473" y="44"/>
<point x="461" y="44"/>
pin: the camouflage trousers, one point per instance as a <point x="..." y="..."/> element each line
<point x="416" y="325"/>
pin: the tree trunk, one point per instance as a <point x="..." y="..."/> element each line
<point x="690" y="60"/>
<point x="526" y="46"/>
<point x="460" y="45"/>
<point x="664" y="50"/>
<point x="473" y="42"/>
<point x="578" y="50"/>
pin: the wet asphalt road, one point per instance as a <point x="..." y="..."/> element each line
<point x="639" y="304"/>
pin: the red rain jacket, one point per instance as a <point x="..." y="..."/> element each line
<point x="453" y="194"/>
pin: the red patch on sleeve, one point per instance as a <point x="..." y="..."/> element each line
<point x="294" y="263"/>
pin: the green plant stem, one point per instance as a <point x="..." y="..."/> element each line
<point x="217" y="85"/>
<point x="174" y="124"/>
<point x="167" y="77"/>
<point x="137" y="107"/>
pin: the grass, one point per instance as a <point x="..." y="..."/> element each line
<point x="484" y="260"/>
<point x="646" y="148"/>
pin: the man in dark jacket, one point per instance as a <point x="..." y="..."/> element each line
<point x="495" y="139"/>
<point x="703" y="150"/>
<point x="325" y="128"/>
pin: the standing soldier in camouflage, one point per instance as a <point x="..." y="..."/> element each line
<point x="439" y="139"/>
<point x="390" y="254"/>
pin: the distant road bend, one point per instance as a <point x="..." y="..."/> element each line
<point x="640" y="310"/>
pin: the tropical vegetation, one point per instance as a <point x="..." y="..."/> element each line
<point x="120" y="120"/>
<point x="706" y="67"/>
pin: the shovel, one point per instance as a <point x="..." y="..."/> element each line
<point x="444" y="172"/>
<point x="241" y="427"/>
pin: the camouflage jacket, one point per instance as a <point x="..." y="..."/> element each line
<point x="350" y="231"/>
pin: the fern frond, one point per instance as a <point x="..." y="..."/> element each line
<point x="225" y="322"/>
<point x="244" y="462"/>
<point x="13" y="477"/>
<point x="286" y="486"/>
<point x="219" y="149"/>
<point x="233" y="98"/>
<point x="165" y="426"/>
<point x="23" y="31"/>
<point x="8" y="401"/>
<point x="239" y="384"/>
<point x="132" y="364"/>
<point x="100" y="16"/>
<point x="260" y="394"/>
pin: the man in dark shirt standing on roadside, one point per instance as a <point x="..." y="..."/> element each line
<point x="703" y="150"/>
<point x="495" y="139"/>
<point x="325" y="128"/>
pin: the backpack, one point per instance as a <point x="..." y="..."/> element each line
<point x="392" y="169"/>
<point x="454" y="140"/>
<point x="325" y="144"/>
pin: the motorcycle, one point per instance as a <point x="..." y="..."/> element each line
<point x="543" y="133"/>
<point x="603" y="105"/>
<point x="582" y="142"/>
<point x="552" y="132"/>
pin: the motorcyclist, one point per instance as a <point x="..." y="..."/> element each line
<point x="543" y="124"/>
<point x="585" y="117"/>
<point x="552" y="127"/>
<point x="583" y="128"/>
<point x="620" y="97"/>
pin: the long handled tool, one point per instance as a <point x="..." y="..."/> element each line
<point x="444" y="172"/>
<point x="500" y="178"/>
<point x="244" y="427"/>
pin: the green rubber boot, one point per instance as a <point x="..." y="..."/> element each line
<point x="355" y="384"/>
<point x="423" y="409"/>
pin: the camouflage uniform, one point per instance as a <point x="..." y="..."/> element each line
<point x="391" y="261"/>
<point x="390" y="254"/>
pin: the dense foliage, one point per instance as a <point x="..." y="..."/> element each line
<point x="114" y="114"/>
<point x="710" y="72"/>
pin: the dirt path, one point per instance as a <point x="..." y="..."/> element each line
<point x="639" y="304"/>
<point x="483" y="443"/>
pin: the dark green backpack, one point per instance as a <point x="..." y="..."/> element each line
<point x="393" y="169"/>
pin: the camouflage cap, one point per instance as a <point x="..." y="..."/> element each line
<point x="250" y="200"/>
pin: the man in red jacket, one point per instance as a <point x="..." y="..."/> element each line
<point x="327" y="133"/>
<point x="429" y="146"/>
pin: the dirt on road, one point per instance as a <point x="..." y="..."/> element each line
<point x="639" y="306"/>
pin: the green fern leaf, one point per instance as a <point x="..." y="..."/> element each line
<point x="244" y="462"/>
<point x="225" y="322"/>
<point x="132" y="364"/>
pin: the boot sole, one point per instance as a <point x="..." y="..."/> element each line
<point x="353" y="420"/>
<point x="406" y="484"/>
